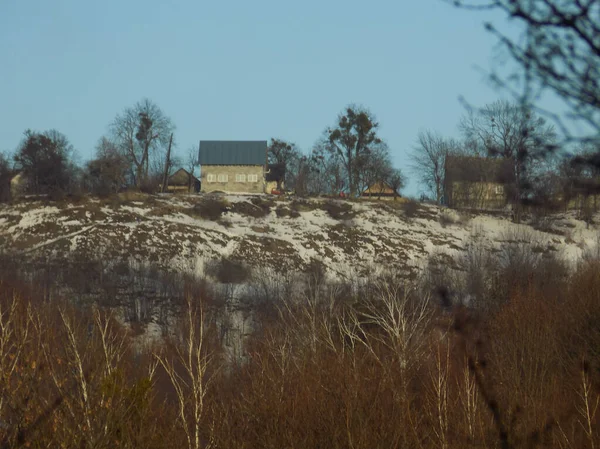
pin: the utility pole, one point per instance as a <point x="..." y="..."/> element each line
<point x="167" y="164"/>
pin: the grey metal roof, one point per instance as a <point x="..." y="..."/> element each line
<point x="232" y="152"/>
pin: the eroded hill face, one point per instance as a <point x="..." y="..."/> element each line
<point x="182" y="233"/>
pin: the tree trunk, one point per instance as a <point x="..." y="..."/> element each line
<point x="351" y="175"/>
<point x="165" y="182"/>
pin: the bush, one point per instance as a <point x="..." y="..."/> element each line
<point x="256" y="208"/>
<point x="150" y="185"/>
<point x="410" y="208"/>
<point x="263" y="203"/>
<point x="283" y="212"/>
<point x="447" y="218"/>
<point x="227" y="271"/>
<point x="210" y="208"/>
<point x="339" y="210"/>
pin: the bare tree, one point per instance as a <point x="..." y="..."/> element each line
<point x="396" y="181"/>
<point x="191" y="161"/>
<point x="377" y="169"/>
<point x="512" y="132"/>
<point x="304" y="174"/>
<point x="107" y="173"/>
<point x="353" y="141"/>
<point x="140" y="131"/>
<point x="428" y="158"/>
<point x="189" y="371"/>
<point x="325" y="171"/>
<point x="558" y="52"/>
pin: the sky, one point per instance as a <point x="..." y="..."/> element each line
<point x="240" y="70"/>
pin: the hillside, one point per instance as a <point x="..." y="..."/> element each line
<point x="182" y="233"/>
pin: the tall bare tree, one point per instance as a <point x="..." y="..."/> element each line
<point x="511" y="131"/>
<point x="378" y="169"/>
<point x="188" y="368"/>
<point x="140" y="131"/>
<point x="428" y="158"/>
<point x="352" y="141"/>
<point x="107" y="173"/>
<point x="558" y="52"/>
<point x="326" y="172"/>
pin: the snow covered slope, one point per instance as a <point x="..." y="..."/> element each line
<point x="347" y="238"/>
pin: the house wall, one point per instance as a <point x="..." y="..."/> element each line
<point x="231" y="185"/>
<point x="477" y="195"/>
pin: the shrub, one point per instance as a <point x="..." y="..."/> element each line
<point x="227" y="271"/>
<point x="150" y="185"/>
<point x="339" y="210"/>
<point x="303" y="205"/>
<point x="210" y="208"/>
<point x="283" y="211"/>
<point x="447" y="218"/>
<point x="410" y="208"/>
<point x="256" y="208"/>
<point x="263" y="203"/>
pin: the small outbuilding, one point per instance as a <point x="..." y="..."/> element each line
<point x="182" y="181"/>
<point x="380" y="191"/>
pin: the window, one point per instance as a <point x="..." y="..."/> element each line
<point x="252" y="178"/>
<point x="211" y="178"/>
<point x="499" y="190"/>
<point x="223" y="178"/>
<point x="240" y="178"/>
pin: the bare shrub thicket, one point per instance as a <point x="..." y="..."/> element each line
<point x="376" y="362"/>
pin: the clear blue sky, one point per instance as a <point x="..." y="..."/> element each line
<point x="239" y="69"/>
